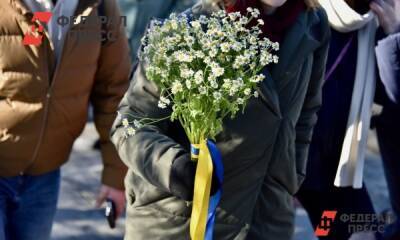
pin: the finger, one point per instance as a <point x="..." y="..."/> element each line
<point x="119" y="200"/>
<point x="120" y="206"/>
<point x="384" y="4"/>
<point x="101" y="197"/>
<point x="377" y="9"/>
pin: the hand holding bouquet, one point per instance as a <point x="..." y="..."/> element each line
<point x="206" y="69"/>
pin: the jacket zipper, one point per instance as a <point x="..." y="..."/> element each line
<point x="46" y="108"/>
<point x="48" y="94"/>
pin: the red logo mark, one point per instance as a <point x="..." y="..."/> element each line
<point x="324" y="227"/>
<point x="35" y="37"/>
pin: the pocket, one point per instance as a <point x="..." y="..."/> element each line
<point x="129" y="192"/>
<point x="283" y="167"/>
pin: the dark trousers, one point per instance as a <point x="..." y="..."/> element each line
<point x="343" y="200"/>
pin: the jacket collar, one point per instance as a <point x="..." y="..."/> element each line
<point x="299" y="41"/>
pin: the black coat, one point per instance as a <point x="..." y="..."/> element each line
<point x="269" y="141"/>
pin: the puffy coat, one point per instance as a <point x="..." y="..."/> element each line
<point x="44" y="105"/>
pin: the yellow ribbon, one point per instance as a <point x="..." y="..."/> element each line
<point x="201" y="197"/>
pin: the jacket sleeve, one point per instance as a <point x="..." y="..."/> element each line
<point x="111" y="82"/>
<point x="312" y="102"/>
<point x="150" y="153"/>
<point x="388" y="59"/>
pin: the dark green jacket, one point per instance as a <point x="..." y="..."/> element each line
<point x="270" y="140"/>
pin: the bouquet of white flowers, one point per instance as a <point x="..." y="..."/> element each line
<point x="206" y="69"/>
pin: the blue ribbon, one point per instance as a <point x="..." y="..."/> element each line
<point x="214" y="199"/>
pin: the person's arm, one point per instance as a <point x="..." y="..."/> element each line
<point x="388" y="59"/>
<point x="312" y="102"/>
<point x="111" y="82"/>
<point x="388" y="49"/>
<point x="150" y="153"/>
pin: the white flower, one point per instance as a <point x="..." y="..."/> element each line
<point x="217" y="95"/>
<point x="255" y="94"/>
<point x="233" y="16"/>
<point x="213" y="52"/>
<point x="182" y="56"/>
<point x="125" y="122"/>
<point x="186" y="73"/>
<point x="199" y="54"/>
<point x="202" y="90"/>
<point x="233" y="90"/>
<point x="165" y="100"/>
<point x="225" y="47"/>
<point x="162" y="105"/>
<point x="240" y="101"/>
<point x="253" y="40"/>
<point x="174" y="24"/>
<point x="275" y="59"/>
<point x="255" y="13"/>
<point x="198" y="77"/>
<point x="237" y="46"/>
<point x="227" y="84"/>
<point x="176" y="87"/>
<point x="130" y="131"/>
<point x="196" y="24"/>
<point x="238" y="82"/>
<point x="247" y="91"/>
<point x="189" y="40"/>
<point x="203" y="19"/>
<point x="188" y="84"/>
<point x="218" y="71"/>
<point x="257" y="78"/>
<point x="240" y="61"/>
<point x="207" y="60"/>
<point x="214" y="84"/>
<point x="275" y="46"/>
<point x="243" y="21"/>
<point x="260" y="21"/>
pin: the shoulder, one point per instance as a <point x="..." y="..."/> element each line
<point x="319" y="24"/>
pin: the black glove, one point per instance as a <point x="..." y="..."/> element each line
<point x="182" y="177"/>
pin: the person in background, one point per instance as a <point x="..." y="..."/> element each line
<point x="45" y="90"/>
<point x="139" y="13"/>
<point x="318" y="192"/>
<point x="264" y="150"/>
<point x="388" y="123"/>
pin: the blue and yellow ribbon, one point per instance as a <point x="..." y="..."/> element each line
<point x="204" y="206"/>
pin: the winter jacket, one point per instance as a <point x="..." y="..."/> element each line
<point x="44" y="105"/>
<point x="269" y="140"/>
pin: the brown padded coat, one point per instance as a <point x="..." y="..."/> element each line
<point x="44" y="105"/>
